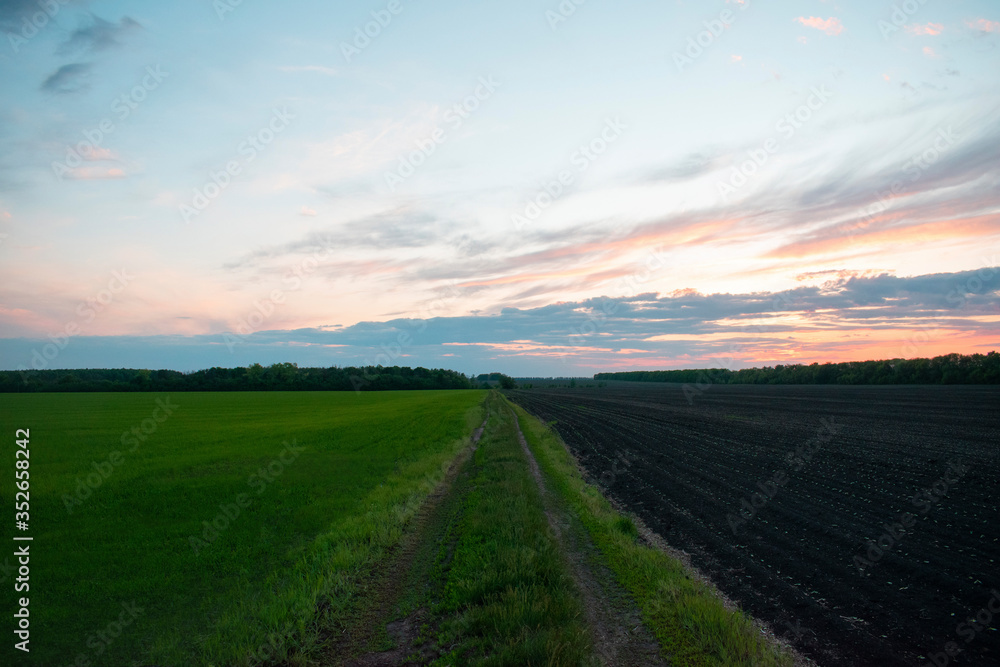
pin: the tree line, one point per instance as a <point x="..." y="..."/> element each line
<point x="946" y="369"/>
<point x="488" y="380"/>
<point x="277" y="377"/>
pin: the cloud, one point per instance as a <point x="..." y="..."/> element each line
<point x="984" y="25"/>
<point x="389" y="230"/>
<point x="926" y="29"/>
<point x="94" y="174"/>
<point x="831" y="26"/>
<point x="930" y="53"/>
<point x="99" y="35"/>
<point x="847" y="190"/>
<point x="841" y="274"/>
<point x="306" y="211"/>
<point x="842" y="303"/>
<point x="735" y="58"/>
<point x="848" y="317"/>
<point x="689" y="166"/>
<point x="99" y="155"/>
<point x="891" y="230"/>
<point x="13" y="12"/>
<point x="779" y="226"/>
<point x="69" y="78"/>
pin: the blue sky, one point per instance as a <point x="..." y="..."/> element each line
<point x="246" y="170"/>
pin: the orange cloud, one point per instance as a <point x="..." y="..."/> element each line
<point x="928" y="29"/>
<point x="99" y="155"/>
<point x="603" y="253"/>
<point x="940" y="230"/>
<point x="802" y="348"/>
<point x="861" y="344"/>
<point x="831" y="26"/>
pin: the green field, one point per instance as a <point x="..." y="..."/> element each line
<point x="292" y="529"/>
<point x="126" y="566"/>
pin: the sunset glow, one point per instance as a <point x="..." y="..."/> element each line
<point x="184" y="187"/>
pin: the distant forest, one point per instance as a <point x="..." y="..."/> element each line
<point x="277" y="377"/>
<point x="947" y="369"/>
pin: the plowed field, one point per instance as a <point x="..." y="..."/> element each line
<point x="861" y="523"/>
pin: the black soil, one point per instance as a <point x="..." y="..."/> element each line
<point x="803" y="555"/>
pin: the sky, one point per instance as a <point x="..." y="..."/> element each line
<point x="540" y="188"/>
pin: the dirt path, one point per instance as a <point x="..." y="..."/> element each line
<point x="386" y="588"/>
<point x="620" y="638"/>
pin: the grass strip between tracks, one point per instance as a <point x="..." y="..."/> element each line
<point x="507" y="598"/>
<point x="689" y="620"/>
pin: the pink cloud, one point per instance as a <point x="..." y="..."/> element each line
<point x="99" y="154"/>
<point x="929" y="52"/>
<point x="735" y="59"/>
<point x="831" y="26"/>
<point x="928" y="29"/>
<point x="604" y="256"/>
<point x="874" y="236"/>
<point x="984" y="25"/>
<point x="94" y="174"/>
<point x="308" y="212"/>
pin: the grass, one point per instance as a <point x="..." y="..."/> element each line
<point x="503" y="595"/>
<point x="258" y="585"/>
<point x="690" y="622"/>
<point x="244" y="528"/>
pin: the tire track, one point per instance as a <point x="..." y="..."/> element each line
<point x="390" y="583"/>
<point x="620" y="637"/>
